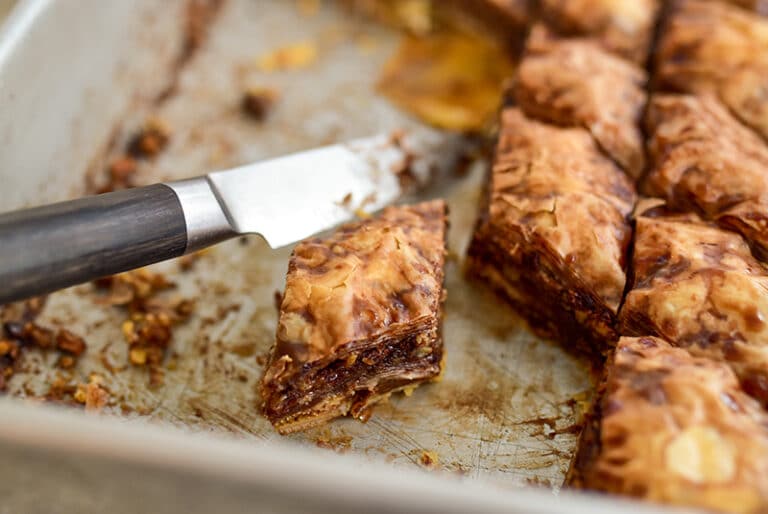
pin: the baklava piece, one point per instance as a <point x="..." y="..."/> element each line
<point x="360" y="317"/>
<point x="624" y="27"/>
<point x="704" y="160"/>
<point x="719" y="48"/>
<point x="553" y="235"/>
<point x="673" y="428"/>
<point x="699" y="287"/>
<point x="574" y="82"/>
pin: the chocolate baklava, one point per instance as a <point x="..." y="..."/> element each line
<point x="673" y="428"/>
<point x="624" y="27"/>
<point x="699" y="287"/>
<point x="704" y="160"/>
<point x="718" y="48"/>
<point x="574" y="82"/>
<point x="553" y="233"/>
<point x="360" y="317"/>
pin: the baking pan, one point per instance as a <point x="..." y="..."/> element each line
<point x="77" y="77"/>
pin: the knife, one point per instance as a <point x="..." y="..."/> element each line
<point x="284" y="200"/>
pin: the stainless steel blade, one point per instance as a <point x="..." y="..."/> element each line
<point x="292" y="197"/>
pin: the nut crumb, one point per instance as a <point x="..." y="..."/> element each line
<point x="68" y="342"/>
<point x="428" y="459"/>
<point x="291" y="57"/>
<point x="151" y="139"/>
<point x="148" y="327"/>
<point x="257" y="102"/>
<point x="362" y="214"/>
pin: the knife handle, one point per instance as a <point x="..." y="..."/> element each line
<point x="59" y="245"/>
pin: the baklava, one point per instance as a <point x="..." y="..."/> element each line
<point x="699" y="287"/>
<point x="704" y="160"/>
<point x="673" y="428"/>
<point x="360" y="317"/>
<point x="718" y="48"/>
<point x="574" y="82"/>
<point x="553" y="232"/>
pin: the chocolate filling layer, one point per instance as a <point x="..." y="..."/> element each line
<point x="390" y="364"/>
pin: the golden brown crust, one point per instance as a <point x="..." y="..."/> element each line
<point x="700" y="288"/>
<point x="624" y="27"/>
<point x="677" y="429"/>
<point x="360" y="316"/>
<point x="715" y="47"/>
<point x="553" y="236"/>
<point x="703" y="159"/>
<point x="573" y="82"/>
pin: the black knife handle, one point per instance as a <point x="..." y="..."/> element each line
<point x="55" y="246"/>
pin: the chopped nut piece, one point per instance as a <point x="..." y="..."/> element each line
<point x="151" y="140"/>
<point x="122" y="169"/>
<point x="138" y="356"/>
<point x="428" y="459"/>
<point x="80" y="394"/>
<point x="291" y="57"/>
<point x="69" y="342"/>
<point x="66" y="362"/>
<point x="133" y="288"/>
<point x="37" y="335"/>
<point x="96" y="397"/>
<point x="257" y="102"/>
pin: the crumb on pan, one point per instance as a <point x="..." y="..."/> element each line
<point x="20" y="332"/>
<point x="148" y="327"/>
<point x="291" y="57"/>
<point x="258" y="102"/>
<point x="151" y="139"/>
<point x="148" y="142"/>
<point x="428" y="459"/>
<point x="92" y="395"/>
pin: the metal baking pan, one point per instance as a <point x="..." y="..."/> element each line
<point x="76" y="78"/>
